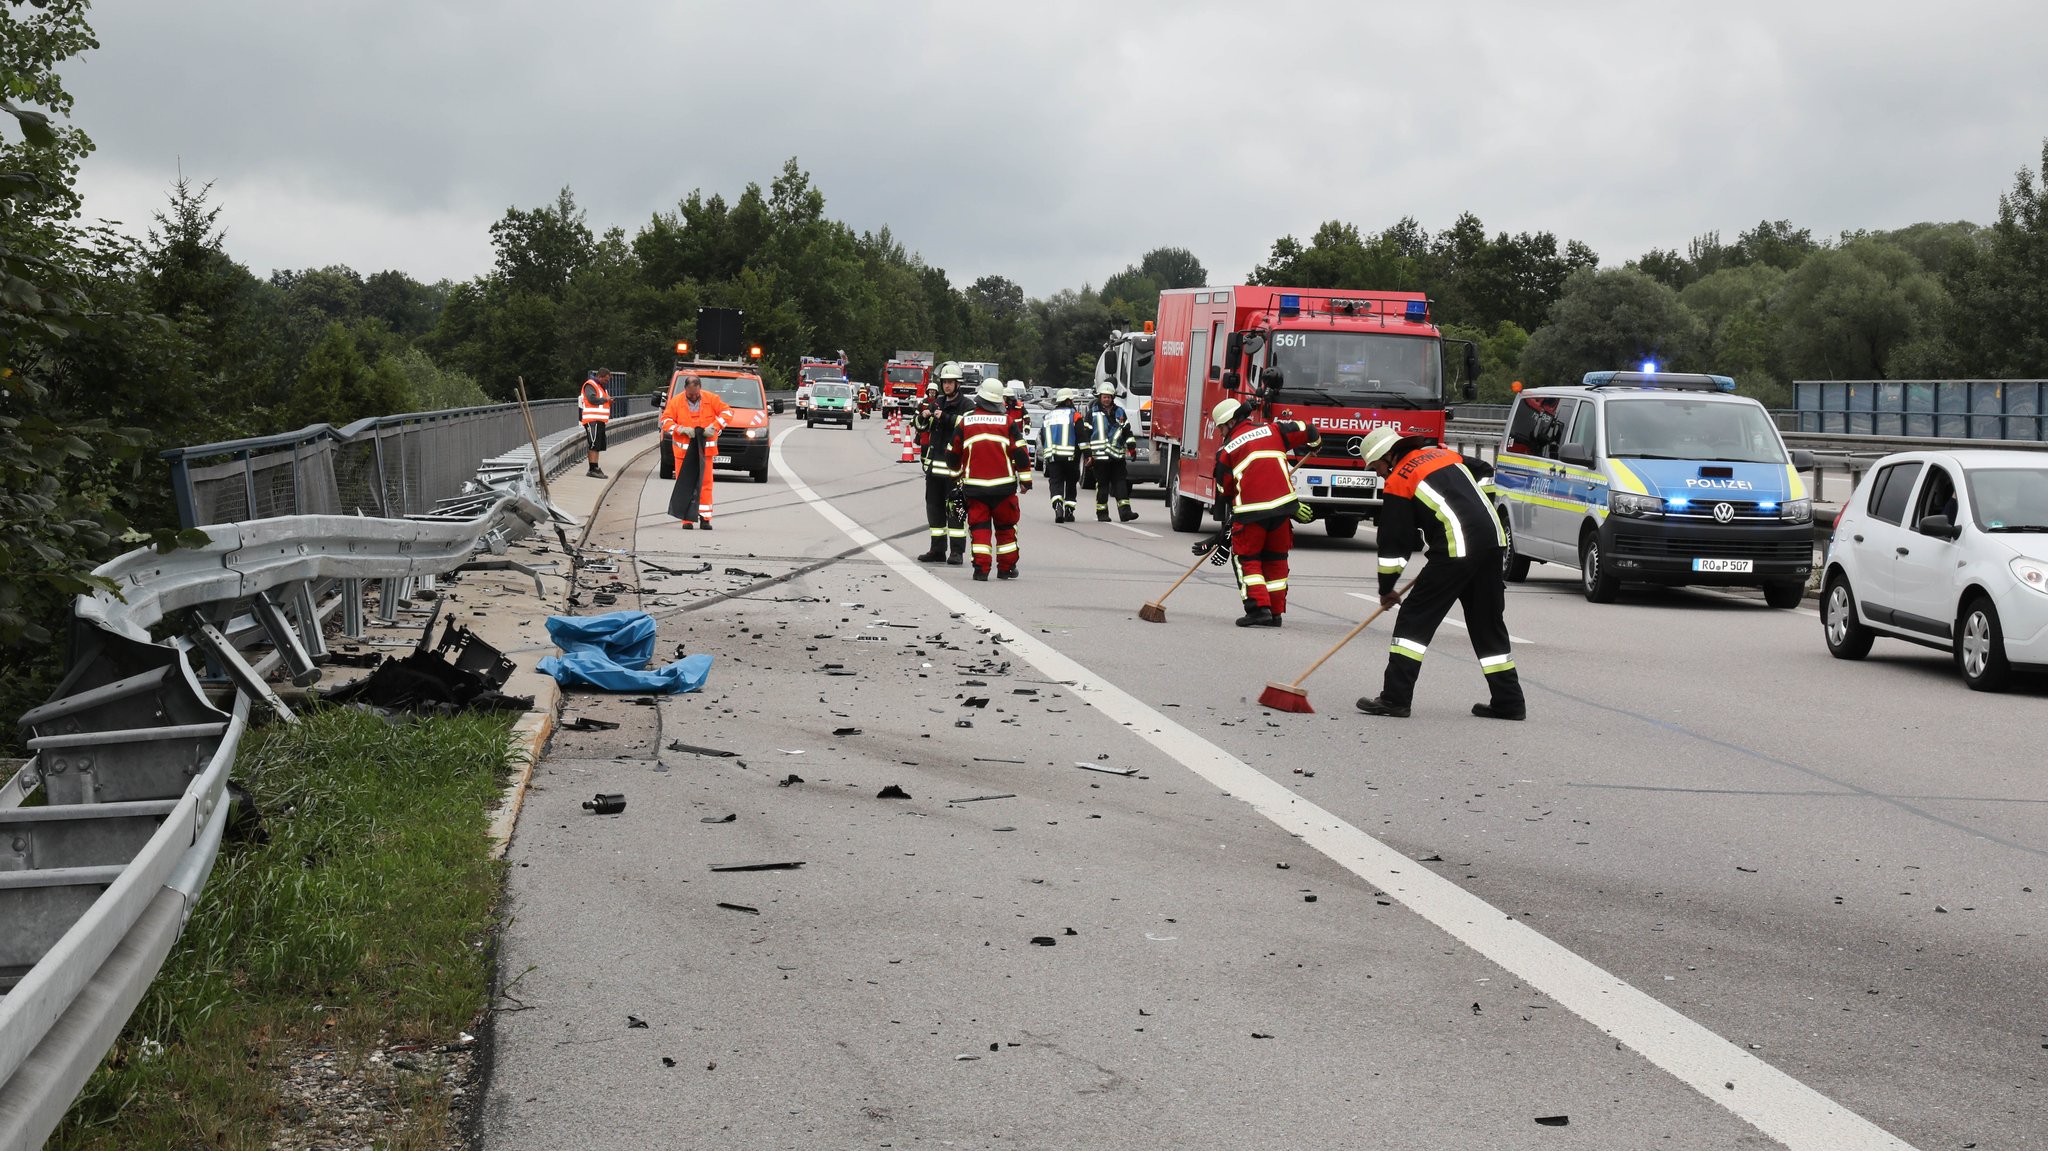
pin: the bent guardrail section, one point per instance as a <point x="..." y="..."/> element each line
<point x="109" y="833"/>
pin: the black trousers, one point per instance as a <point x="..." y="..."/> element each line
<point x="1473" y="583"/>
<point x="1063" y="476"/>
<point x="1112" y="481"/>
<point x="946" y="520"/>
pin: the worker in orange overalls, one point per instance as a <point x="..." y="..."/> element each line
<point x="693" y="419"/>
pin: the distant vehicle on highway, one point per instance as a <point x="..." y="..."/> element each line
<point x="831" y="403"/>
<point x="1654" y="477"/>
<point x="1948" y="550"/>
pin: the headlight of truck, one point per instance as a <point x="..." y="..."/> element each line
<point x="2031" y="573"/>
<point x="753" y="433"/>
<point x="1630" y="504"/>
<point x="1797" y="511"/>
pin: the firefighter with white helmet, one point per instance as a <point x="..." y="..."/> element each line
<point x="943" y="515"/>
<point x="994" y="465"/>
<point x="1255" y="496"/>
<point x="1110" y="445"/>
<point x="1058" y="440"/>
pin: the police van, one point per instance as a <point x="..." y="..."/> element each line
<point x="1654" y="477"/>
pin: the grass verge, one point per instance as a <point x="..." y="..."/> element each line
<point x="362" y="923"/>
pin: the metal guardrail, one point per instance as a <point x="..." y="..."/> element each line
<point x="109" y="833"/>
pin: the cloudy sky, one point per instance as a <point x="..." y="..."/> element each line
<point x="1055" y="142"/>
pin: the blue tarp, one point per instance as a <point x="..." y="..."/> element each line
<point x="611" y="651"/>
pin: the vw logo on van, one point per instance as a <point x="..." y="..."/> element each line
<point x="1724" y="513"/>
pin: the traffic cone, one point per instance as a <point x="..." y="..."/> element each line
<point x="909" y="455"/>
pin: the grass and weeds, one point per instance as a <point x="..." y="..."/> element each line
<point x="362" y="921"/>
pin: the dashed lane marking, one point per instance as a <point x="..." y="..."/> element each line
<point x="1766" y="1098"/>
<point x="1456" y="623"/>
<point x="1140" y="531"/>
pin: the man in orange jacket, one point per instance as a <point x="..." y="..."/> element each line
<point x="594" y="407"/>
<point x="693" y="418"/>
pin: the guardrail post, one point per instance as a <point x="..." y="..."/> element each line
<point x="223" y="654"/>
<point x="181" y="494"/>
<point x="249" y="482"/>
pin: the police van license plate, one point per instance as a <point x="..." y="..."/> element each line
<point x="728" y="459"/>
<point x="1361" y="480"/>
<point x="1738" y="566"/>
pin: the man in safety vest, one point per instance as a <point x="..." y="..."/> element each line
<point x="1057" y="441"/>
<point x="944" y="517"/>
<point x="594" y="403"/>
<point x="1430" y="496"/>
<point x="988" y="444"/>
<point x="1110" y="443"/>
<point x="694" y="418"/>
<point x="1255" y="496"/>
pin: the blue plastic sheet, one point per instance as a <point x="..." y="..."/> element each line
<point x="610" y="652"/>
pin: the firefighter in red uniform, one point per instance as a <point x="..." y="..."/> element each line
<point x="994" y="465"/>
<point x="1255" y="496"/>
<point x="1429" y="493"/>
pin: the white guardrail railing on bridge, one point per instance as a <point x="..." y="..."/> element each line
<point x="109" y="832"/>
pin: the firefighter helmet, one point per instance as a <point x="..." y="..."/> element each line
<point x="949" y="370"/>
<point x="1377" y="442"/>
<point x="1105" y="388"/>
<point x="991" y="392"/>
<point x="1224" y="412"/>
<point x="1065" y="396"/>
<point x="1014" y="389"/>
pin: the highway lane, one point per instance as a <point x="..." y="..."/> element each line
<point x="1704" y="804"/>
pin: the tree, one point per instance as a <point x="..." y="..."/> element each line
<point x="538" y="250"/>
<point x="1847" y="310"/>
<point x="1616" y="318"/>
<point x="1172" y="268"/>
<point x="1997" y="319"/>
<point x="1740" y="308"/>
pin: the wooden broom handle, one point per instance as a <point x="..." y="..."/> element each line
<point x="1351" y="635"/>
<point x="1199" y="561"/>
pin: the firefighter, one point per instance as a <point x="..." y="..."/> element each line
<point x="994" y="466"/>
<point x="694" y="418"/>
<point x="1056" y="446"/>
<point x="594" y="404"/>
<point x="1110" y="444"/>
<point x="1255" y="498"/>
<point x="943" y="515"/>
<point x="1431" y="495"/>
<point x="865" y="397"/>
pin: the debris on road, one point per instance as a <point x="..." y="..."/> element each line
<point x="726" y="818"/>
<point x="585" y="723"/>
<point x="1045" y="941"/>
<point x="760" y="865"/>
<point x="461" y="673"/>
<point x="603" y="804"/>
<point x="992" y="759"/>
<point x="611" y="652"/>
<point x="745" y="574"/>
<point x="693" y="749"/>
<point x="892" y="792"/>
<point x="740" y="907"/>
<point x="1105" y="768"/>
<point x="1554" y="1120"/>
<point x="793" y="778"/>
<point x="633" y="1021"/>
<point x="845" y="731"/>
<point x="980" y="798"/>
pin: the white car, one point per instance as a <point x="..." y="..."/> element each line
<point x="1949" y="550"/>
<point x="803" y="399"/>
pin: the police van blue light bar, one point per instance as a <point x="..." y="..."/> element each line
<point x="1670" y="381"/>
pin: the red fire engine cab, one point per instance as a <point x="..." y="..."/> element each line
<point x="904" y="379"/>
<point x="1344" y="361"/>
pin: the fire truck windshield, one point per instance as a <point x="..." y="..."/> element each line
<point x="1358" y="369"/>
<point x="823" y="372"/>
<point x="905" y="376"/>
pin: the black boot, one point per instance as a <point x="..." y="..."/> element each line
<point x="1492" y="711"/>
<point x="1007" y="573"/>
<point x="957" y="556"/>
<point x="1102" y="513"/>
<point x="1126" y="513"/>
<point x="935" y="554"/>
<point x="1374" y="705"/>
<point x="1258" y="615"/>
<point x="981" y="575"/>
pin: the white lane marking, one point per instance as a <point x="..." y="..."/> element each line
<point x="1457" y="623"/>
<point x="1764" y="1097"/>
<point x="1140" y="531"/>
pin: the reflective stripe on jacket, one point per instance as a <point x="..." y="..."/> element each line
<point x="594" y="403"/>
<point x="1057" y="438"/>
<point x="991" y="454"/>
<point x="711" y="414"/>
<point x="936" y="421"/>
<point x="1432" y="499"/>
<point x="1109" y="433"/>
<point x="1252" y="473"/>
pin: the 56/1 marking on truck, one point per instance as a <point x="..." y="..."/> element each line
<point x="1290" y="339"/>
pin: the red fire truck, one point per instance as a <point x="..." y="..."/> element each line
<point x="1345" y="361"/>
<point x="904" y="379"/>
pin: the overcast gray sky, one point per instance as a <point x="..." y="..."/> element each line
<point x="1055" y="142"/>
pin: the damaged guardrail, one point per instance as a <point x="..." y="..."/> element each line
<point x="109" y="833"/>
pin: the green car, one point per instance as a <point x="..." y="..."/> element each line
<point x="831" y="403"/>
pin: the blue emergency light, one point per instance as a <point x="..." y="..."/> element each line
<point x="1678" y="503"/>
<point x="1418" y="311"/>
<point x="1649" y="367"/>
<point x="1290" y="305"/>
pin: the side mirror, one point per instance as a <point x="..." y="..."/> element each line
<point x="1802" y="459"/>
<point x="1577" y="455"/>
<point x="1940" y="527"/>
<point x="1233" y="347"/>
<point x="1271" y="379"/>
<point x="1471" y="391"/>
<point x="778" y="407"/>
<point x="1471" y="369"/>
<point x="1230" y="379"/>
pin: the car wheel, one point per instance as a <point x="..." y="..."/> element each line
<point x="1785" y="594"/>
<point x="1341" y="527"/>
<point x="1513" y="568"/>
<point x="810" y="424"/>
<point x="1847" y="639"/>
<point x="1980" y="647"/>
<point x="1600" y="586"/>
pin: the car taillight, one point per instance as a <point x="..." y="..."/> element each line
<point x="1839" y="513"/>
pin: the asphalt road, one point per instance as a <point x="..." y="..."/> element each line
<point x="1720" y="890"/>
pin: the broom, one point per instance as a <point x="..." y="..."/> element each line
<point x="1155" y="611"/>
<point x="1291" y="696"/>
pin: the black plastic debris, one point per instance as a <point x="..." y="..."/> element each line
<point x="993" y="759"/>
<point x="462" y="673"/>
<point x="1105" y="768"/>
<point x="726" y="818"/>
<point x="1554" y="1120"/>
<point x="845" y="731"/>
<point x="892" y="792"/>
<point x="974" y="701"/>
<point x="667" y="1062"/>
<point x="693" y="749"/>
<point x="1045" y="941"/>
<point x="603" y="804"/>
<point x="1475" y="1009"/>
<point x="1308" y="899"/>
<point x="963" y="723"/>
<point x="744" y="573"/>
<point x="760" y="865"/>
<point x="1431" y="859"/>
<point x="1260" y="1035"/>
<point x="354" y="658"/>
<point x="841" y="671"/>
<point x="634" y="1021"/>
<point x="649" y="565"/>
<point x="981" y="798"/>
<point x="793" y="778"/>
<point x="585" y="723"/>
<point x="741" y="907"/>
<point x="1070" y="931"/>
